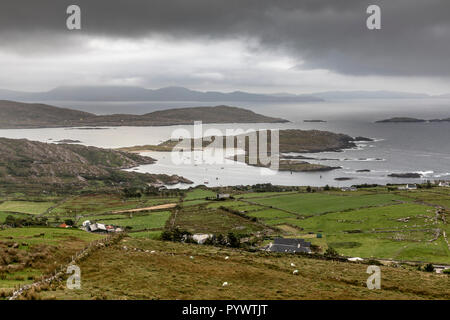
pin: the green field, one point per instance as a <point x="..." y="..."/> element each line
<point x="46" y="236"/>
<point x="153" y="220"/>
<point x="193" y="202"/>
<point x="262" y="194"/>
<point x="103" y="203"/>
<point x="271" y="214"/>
<point x="31" y="207"/>
<point x="198" y="193"/>
<point x="316" y="203"/>
<point x="369" y="219"/>
<point x="3" y="215"/>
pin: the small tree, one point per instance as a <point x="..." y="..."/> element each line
<point x="428" y="267"/>
<point x="166" y="235"/>
<point x="69" y="222"/>
<point x="221" y="240"/>
<point x="233" y="241"/>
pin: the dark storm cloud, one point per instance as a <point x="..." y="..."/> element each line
<point x="330" y="34"/>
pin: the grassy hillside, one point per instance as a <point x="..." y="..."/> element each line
<point x="27" y="115"/>
<point x="183" y="271"/>
<point x="28" y="253"/>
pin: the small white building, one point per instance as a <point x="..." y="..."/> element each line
<point x="221" y="196"/>
<point x="101" y="227"/>
<point x="201" y="238"/>
<point x="444" y="184"/>
<point x="409" y="186"/>
<point x="440" y="268"/>
<point x="86" y="223"/>
<point x="355" y="259"/>
<point x="97" y="227"/>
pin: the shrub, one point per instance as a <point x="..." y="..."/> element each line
<point x="374" y="262"/>
<point x="428" y="268"/>
<point x="233" y="241"/>
<point x="69" y="222"/>
<point x="331" y="252"/>
<point x="177" y="235"/>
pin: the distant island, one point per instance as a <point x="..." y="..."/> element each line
<point x="314" y="120"/>
<point x="410" y="120"/>
<point x="68" y="141"/>
<point x="18" y="115"/>
<point x="409" y="175"/>
<point x="291" y="140"/>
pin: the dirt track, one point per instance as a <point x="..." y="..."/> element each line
<point x="158" y="207"/>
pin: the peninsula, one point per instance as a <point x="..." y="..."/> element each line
<point x="17" y="115"/>
<point x="290" y="141"/>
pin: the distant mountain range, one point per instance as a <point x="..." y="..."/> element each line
<point x="129" y="93"/>
<point x="26" y="115"/>
<point x="124" y="93"/>
<point x="331" y="95"/>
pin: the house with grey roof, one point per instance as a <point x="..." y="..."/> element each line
<point x="289" y="245"/>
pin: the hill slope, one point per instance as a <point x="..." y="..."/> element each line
<point x="30" y="163"/>
<point x="23" y="115"/>
<point x="119" y="271"/>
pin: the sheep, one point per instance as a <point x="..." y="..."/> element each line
<point x="295" y="272"/>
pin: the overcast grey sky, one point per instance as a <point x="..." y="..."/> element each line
<point x="295" y="46"/>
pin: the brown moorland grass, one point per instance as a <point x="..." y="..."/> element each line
<point x="198" y="219"/>
<point x="171" y="273"/>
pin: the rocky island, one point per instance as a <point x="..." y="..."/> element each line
<point x="409" y="175"/>
<point x="401" y="120"/>
<point x="290" y="141"/>
<point x="411" y="120"/>
<point x="313" y="121"/>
